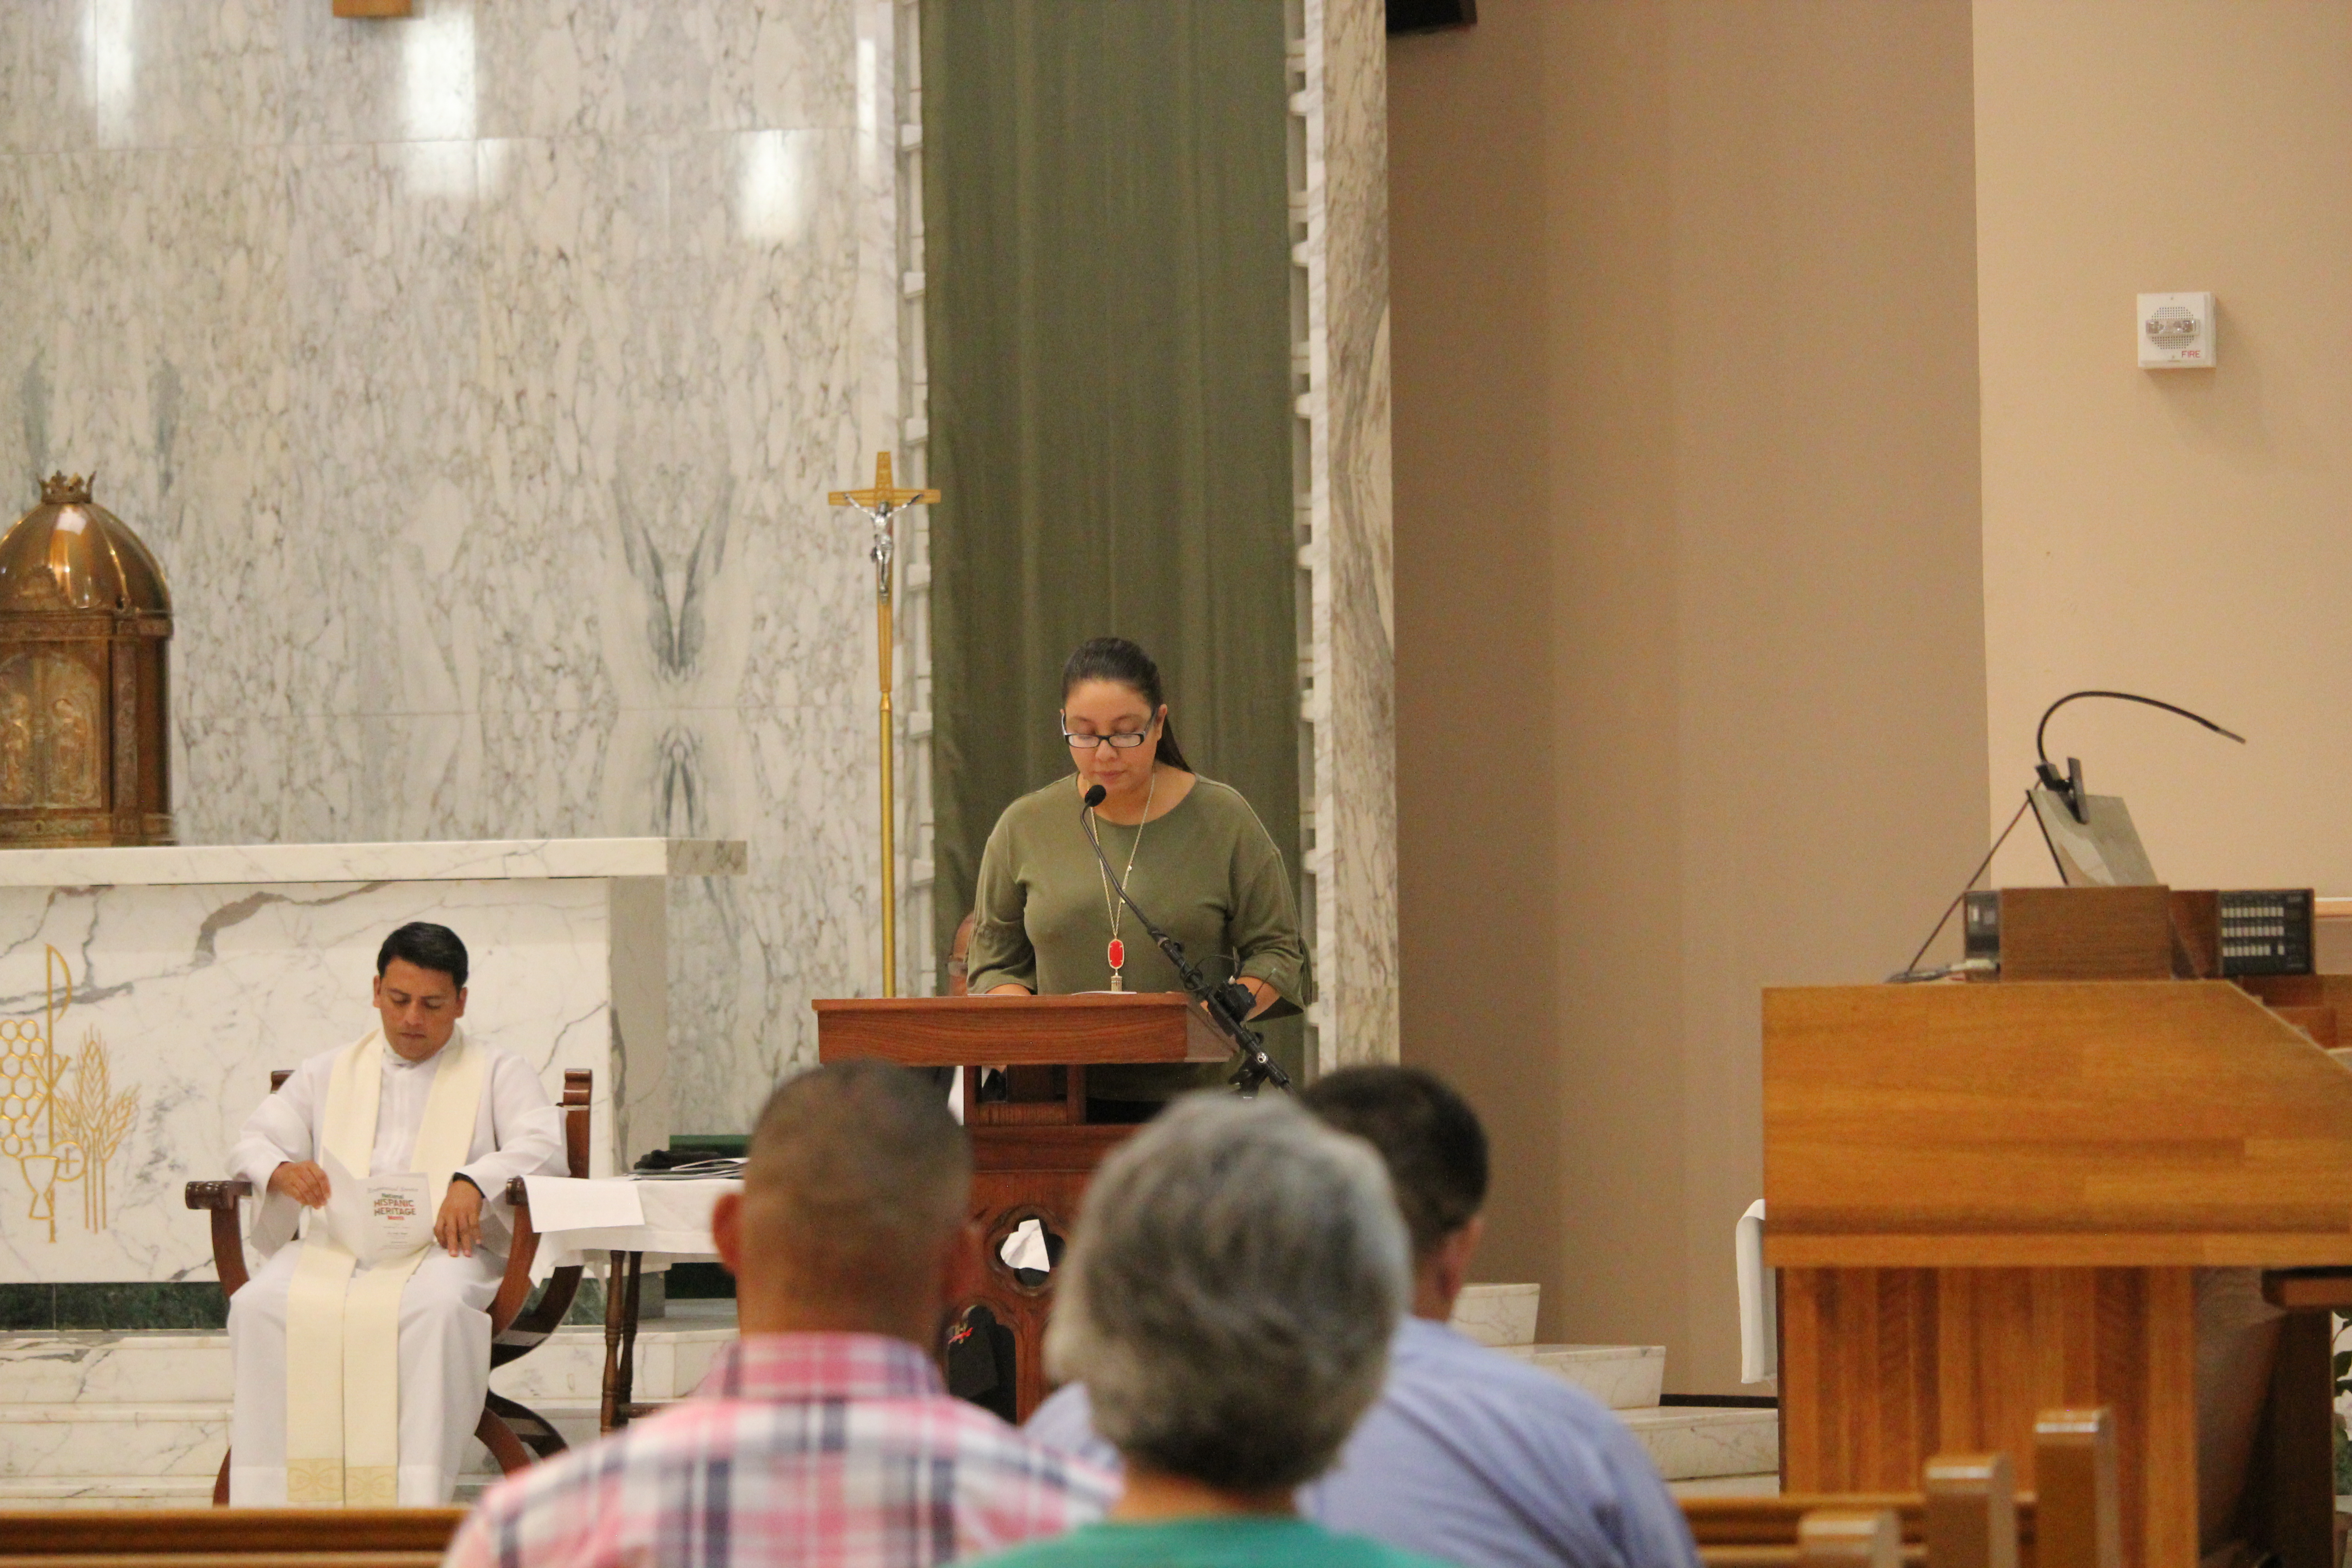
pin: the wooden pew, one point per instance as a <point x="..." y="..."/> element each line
<point x="2080" y="1517"/>
<point x="1972" y="1514"/>
<point x="1848" y="1537"/>
<point x="1762" y="1531"/>
<point x="225" y="1538"/>
<point x="1968" y="1514"/>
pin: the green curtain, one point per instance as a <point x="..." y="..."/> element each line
<point x="1105" y="208"/>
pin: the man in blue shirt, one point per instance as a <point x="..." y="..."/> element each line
<point x="1468" y="1457"/>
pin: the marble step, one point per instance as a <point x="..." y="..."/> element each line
<point x="166" y="1455"/>
<point x="1692" y="1442"/>
<point x="129" y="1367"/>
<point x="144" y="1491"/>
<point x="1622" y="1377"/>
<point x="1767" y="1484"/>
<point x="180" y="1439"/>
<point x="113" y="1439"/>
<point x="159" y="1368"/>
<point x="1498" y="1315"/>
<point x="671" y="1361"/>
<point x="105" y="1491"/>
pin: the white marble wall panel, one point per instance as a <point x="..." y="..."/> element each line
<point x="1351" y="620"/>
<point x="478" y="379"/>
<point x="199" y="991"/>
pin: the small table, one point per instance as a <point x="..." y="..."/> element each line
<point x="674" y="1226"/>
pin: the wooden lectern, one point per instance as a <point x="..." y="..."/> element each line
<point x="1032" y="1155"/>
<point x="1989" y="1199"/>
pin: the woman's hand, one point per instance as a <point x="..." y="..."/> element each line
<point x="1010" y="988"/>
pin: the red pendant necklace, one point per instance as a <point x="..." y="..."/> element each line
<point x="1112" y="905"/>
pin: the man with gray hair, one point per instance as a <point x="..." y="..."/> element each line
<point x="1469" y="1456"/>
<point x="822" y="1436"/>
<point x="1237" y="1272"/>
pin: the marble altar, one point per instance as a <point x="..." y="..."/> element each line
<point x="145" y="994"/>
<point x="478" y="378"/>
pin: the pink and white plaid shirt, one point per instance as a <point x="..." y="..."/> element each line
<point x="838" y="1450"/>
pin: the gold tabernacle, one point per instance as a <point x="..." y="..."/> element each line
<point x="881" y="506"/>
<point x="84" y="702"/>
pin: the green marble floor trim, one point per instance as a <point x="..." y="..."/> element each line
<point x="186" y="1304"/>
<point x="700" y="1282"/>
<point x="199" y="1304"/>
<point x="38" y="1308"/>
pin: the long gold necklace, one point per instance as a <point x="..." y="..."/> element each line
<point x="1113" y="907"/>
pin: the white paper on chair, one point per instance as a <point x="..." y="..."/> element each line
<point x="566" y="1203"/>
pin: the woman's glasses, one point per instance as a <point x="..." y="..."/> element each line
<point x="1124" y="743"/>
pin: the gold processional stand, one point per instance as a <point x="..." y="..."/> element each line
<point x="882" y="505"/>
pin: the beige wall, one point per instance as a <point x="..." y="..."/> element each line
<point x="2184" y="534"/>
<point x="1690" y="667"/>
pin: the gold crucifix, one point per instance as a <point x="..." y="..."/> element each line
<point x="884" y="498"/>
<point x="881" y="506"/>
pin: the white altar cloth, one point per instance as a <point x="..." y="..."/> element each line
<point x="146" y="993"/>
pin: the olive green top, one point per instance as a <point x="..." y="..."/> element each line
<point x="1206" y="871"/>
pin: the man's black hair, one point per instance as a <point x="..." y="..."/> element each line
<point x="427" y="947"/>
<point x="1426" y="1134"/>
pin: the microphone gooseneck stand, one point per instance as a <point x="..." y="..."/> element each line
<point x="1227" y="1006"/>
<point x="2068" y="786"/>
<point x="2067" y="789"/>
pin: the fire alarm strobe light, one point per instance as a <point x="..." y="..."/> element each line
<point x="2176" y="331"/>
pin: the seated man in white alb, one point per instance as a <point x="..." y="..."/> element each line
<point x="384" y="1347"/>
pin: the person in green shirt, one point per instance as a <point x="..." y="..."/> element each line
<point x="1238" y="1270"/>
<point x="1189" y="848"/>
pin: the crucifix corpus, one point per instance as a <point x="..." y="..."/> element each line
<point x="882" y="505"/>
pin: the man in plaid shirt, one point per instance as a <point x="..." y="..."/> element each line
<point x="824" y="1434"/>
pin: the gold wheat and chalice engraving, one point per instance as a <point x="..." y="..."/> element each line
<point x="61" y="1129"/>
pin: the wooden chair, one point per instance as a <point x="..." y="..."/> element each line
<point x="512" y="1431"/>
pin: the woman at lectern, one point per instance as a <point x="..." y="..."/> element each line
<point x="1189" y="848"/>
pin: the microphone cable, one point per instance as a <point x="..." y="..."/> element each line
<point x="1911" y="971"/>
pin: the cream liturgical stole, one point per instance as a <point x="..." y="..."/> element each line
<point x="342" y="1321"/>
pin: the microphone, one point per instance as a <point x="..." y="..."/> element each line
<point x="1228" y="1005"/>
<point x="2068" y="786"/>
